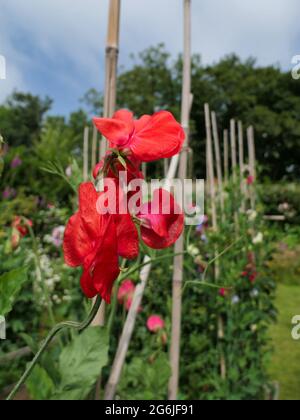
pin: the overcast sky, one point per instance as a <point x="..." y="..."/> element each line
<point x="56" y="47"/>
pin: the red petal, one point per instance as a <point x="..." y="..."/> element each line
<point x="164" y="229"/>
<point x="77" y="244"/>
<point x="87" y="286"/>
<point x="161" y="137"/>
<point x="88" y="197"/>
<point x="127" y="236"/>
<point x="106" y="268"/>
<point x="117" y="129"/>
<point x="142" y="122"/>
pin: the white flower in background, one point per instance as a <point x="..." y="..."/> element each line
<point x="254" y="293"/>
<point x="235" y="300"/>
<point x="69" y="171"/>
<point x="254" y="328"/>
<point x="283" y="207"/>
<point x="193" y="250"/>
<point x="258" y="239"/>
<point x="252" y="215"/>
<point x="57" y="236"/>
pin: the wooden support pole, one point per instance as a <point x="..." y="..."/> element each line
<point x="218" y="160"/>
<point x="226" y="155"/>
<point x="124" y="342"/>
<point x="241" y="148"/>
<point x="86" y="154"/>
<point x="212" y="196"/>
<point x="252" y="162"/>
<point x="211" y="174"/>
<point x="179" y="246"/>
<point x="111" y="65"/>
<point x="110" y="94"/>
<point x="242" y="164"/>
<point x="233" y="148"/>
<point x="94" y="147"/>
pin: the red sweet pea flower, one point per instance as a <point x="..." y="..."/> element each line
<point x="95" y="241"/>
<point x="250" y="180"/>
<point x="149" y="138"/>
<point x="161" y="229"/>
<point x="22" y="225"/>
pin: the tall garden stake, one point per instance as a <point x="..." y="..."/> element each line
<point x="241" y="163"/>
<point x="212" y="196"/>
<point x="124" y="342"/>
<point x="252" y="158"/>
<point x="226" y="155"/>
<point x="218" y="159"/>
<point x="86" y="154"/>
<point x="179" y="246"/>
<point x="110" y="94"/>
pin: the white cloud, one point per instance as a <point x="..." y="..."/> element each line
<point x="66" y="38"/>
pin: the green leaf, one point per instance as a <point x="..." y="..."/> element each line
<point x="39" y="385"/>
<point x="122" y="161"/>
<point x="80" y="364"/>
<point x="10" y="286"/>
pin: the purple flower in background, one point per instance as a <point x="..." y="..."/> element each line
<point x="16" y="162"/>
<point x="9" y="193"/>
<point x="57" y="236"/>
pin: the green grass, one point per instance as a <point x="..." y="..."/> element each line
<point x="285" y="365"/>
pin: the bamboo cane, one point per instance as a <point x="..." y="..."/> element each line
<point x="252" y="164"/>
<point x="212" y="195"/>
<point x="242" y="164"/>
<point x="234" y="165"/>
<point x="179" y="246"/>
<point x="226" y="155"/>
<point x="86" y="154"/>
<point x="110" y="94"/>
<point x="233" y="148"/>
<point x="124" y="342"/>
<point x="111" y="64"/>
<point x="94" y="147"/>
<point x="131" y="317"/>
<point x="218" y="159"/>
<point x="211" y="175"/>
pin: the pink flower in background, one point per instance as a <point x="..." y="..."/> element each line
<point x="250" y="180"/>
<point x="125" y="294"/>
<point x="126" y="291"/>
<point x="155" y="323"/>
<point x="57" y="236"/>
<point x="16" y="162"/>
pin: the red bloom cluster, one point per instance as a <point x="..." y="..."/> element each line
<point x="250" y="270"/>
<point x="147" y="139"/>
<point x="22" y="225"/>
<point x="95" y="240"/>
<point x="20" y="228"/>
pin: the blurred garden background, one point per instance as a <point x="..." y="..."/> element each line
<point x="41" y="166"/>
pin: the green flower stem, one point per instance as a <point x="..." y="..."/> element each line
<point x="202" y="282"/>
<point x="58" y="328"/>
<point x="128" y="273"/>
<point x="115" y="300"/>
